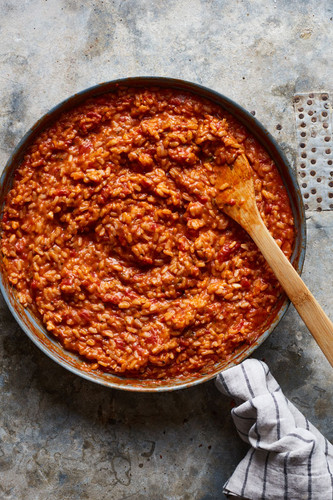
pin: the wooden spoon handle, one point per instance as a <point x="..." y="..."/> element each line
<point x="319" y="325"/>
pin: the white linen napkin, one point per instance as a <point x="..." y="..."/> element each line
<point x="289" y="458"/>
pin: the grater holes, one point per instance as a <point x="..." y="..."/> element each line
<point x="313" y="116"/>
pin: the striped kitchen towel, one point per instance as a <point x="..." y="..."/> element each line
<point x="289" y="459"/>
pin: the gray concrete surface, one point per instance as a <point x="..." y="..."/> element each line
<point x="62" y="437"/>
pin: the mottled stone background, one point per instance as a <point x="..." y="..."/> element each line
<point x="62" y="437"/>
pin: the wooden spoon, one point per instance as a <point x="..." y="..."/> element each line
<point x="236" y="197"/>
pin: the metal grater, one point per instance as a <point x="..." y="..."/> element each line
<point x="313" y="113"/>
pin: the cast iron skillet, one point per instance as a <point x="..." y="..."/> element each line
<point x="33" y="327"/>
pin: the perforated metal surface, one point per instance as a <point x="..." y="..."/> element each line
<point x="313" y="113"/>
